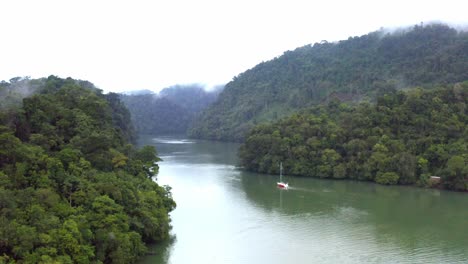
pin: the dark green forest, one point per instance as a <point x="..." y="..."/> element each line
<point x="171" y="111"/>
<point x="72" y="187"/>
<point x="404" y="138"/>
<point x="356" y="69"/>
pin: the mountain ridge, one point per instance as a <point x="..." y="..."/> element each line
<point x="364" y="66"/>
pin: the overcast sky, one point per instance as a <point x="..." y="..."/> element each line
<point x="128" y="45"/>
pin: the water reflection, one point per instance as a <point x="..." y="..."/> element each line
<point x="422" y="223"/>
<point x="229" y="216"/>
<point x="184" y="151"/>
<point x="159" y="253"/>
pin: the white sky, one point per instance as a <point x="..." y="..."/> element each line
<point x="128" y="45"/>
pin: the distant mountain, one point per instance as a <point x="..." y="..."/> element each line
<point x="194" y="98"/>
<point x="359" y="68"/>
<point x="170" y="111"/>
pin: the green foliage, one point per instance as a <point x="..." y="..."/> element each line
<point x="402" y="139"/>
<point x="121" y="117"/>
<point x="148" y="156"/>
<point x="71" y="189"/>
<point x="456" y="176"/>
<point x="388" y="178"/>
<point x="357" y="69"/>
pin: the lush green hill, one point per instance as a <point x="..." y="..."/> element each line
<point x="357" y="69"/>
<point x="72" y="190"/>
<point x="402" y="139"/>
<point x="171" y="111"/>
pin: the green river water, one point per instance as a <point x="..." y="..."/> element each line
<point x="225" y="215"/>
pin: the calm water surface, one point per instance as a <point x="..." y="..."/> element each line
<point x="225" y="215"/>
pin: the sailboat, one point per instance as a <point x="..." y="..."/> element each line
<point x="282" y="184"/>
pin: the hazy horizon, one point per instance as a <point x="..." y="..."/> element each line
<point x="121" y="46"/>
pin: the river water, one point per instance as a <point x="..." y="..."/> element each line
<point x="225" y="215"/>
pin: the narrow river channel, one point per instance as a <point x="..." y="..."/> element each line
<point x="225" y="215"/>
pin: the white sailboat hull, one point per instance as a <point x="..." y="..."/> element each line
<point x="282" y="185"/>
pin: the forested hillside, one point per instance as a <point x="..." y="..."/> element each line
<point x="171" y="111"/>
<point x="72" y="190"/>
<point x="358" y="69"/>
<point x="402" y="139"/>
<point x="13" y="91"/>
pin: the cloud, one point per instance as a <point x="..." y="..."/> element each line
<point x="122" y="45"/>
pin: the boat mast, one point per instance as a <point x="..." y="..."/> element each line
<point x="281" y="171"/>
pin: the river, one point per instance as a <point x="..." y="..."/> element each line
<point x="225" y="215"/>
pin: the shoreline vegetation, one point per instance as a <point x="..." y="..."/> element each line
<point x="404" y="138"/>
<point x="72" y="187"/>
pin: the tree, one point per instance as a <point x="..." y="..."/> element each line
<point x="388" y="178"/>
<point x="457" y="176"/>
<point x="68" y="193"/>
<point x="148" y="156"/>
<point x="406" y="167"/>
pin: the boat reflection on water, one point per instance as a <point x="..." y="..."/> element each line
<point x="281" y="184"/>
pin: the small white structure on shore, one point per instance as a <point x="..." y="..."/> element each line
<point x="434" y="179"/>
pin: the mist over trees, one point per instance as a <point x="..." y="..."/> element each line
<point x="13" y="92"/>
<point x="357" y="69"/>
<point x="171" y="111"/>
<point x="72" y="188"/>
